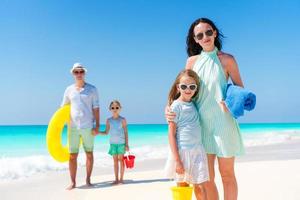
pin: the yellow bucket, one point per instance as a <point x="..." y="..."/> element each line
<point x="182" y="193"/>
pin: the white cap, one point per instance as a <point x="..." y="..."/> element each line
<point x="78" y="66"/>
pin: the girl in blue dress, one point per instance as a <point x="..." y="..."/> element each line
<point x="188" y="163"/>
<point x="116" y="127"/>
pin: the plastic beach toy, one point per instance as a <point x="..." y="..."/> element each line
<point x="129" y="160"/>
<point x="182" y="193"/>
<point x="54" y="134"/>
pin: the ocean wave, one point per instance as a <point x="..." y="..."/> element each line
<point x="270" y="137"/>
<point x="13" y="168"/>
<point x="21" y="167"/>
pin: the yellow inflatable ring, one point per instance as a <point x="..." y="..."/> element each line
<point x="54" y="134"/>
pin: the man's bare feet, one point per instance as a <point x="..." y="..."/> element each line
<point x="116" y="182"/>
<point x="71" y="187"/>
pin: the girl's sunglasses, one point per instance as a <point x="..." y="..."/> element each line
<point x="117" y="108"/>
<point x="190" y="86"/>
<point x="208" y="33"/>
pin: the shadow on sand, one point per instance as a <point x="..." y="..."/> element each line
<point x="127" y="182"/>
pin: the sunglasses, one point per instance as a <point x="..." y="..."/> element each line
<point x="79" y="72"/>
<point x="190" y="86"/>
<point x="208" y="33"/>
<point x="117" y="108"/>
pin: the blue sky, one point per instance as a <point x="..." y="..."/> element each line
<point x="134" y="49"/>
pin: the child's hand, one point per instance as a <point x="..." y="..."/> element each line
<point x="179" y="167"/>
<point x="102" y="133"/>
<point x="95" y="131"/>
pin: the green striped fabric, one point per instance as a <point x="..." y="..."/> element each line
<point x="220" y="131"/>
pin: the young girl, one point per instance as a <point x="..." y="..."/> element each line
<point x="188" y="163"/>
<point x="116" y="127"/>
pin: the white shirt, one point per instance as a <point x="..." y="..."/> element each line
<point x="82" y="102"/>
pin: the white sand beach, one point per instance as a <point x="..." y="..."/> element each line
<point x="266" y="172"/>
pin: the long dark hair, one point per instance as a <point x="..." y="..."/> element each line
<point x="194" y="48"/>
<point x="174" y="93"/>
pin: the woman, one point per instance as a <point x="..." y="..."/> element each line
<point x="221" y="135"/>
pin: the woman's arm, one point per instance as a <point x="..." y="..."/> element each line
<point x="190" y="62"/>
<point x="233" y="71"/>
<point x="124" y="123"/>
<point x="174" y="149"/>
<point x="170" y="116"/>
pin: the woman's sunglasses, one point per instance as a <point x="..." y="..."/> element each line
<point x="190" y="86"/>
<point x="208" y="33"/>
<point x="79" y="72"/>
<point x="117" y="108"/>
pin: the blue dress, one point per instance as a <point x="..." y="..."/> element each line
<point x="220" y="131"/>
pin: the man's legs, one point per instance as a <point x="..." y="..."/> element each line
<point x="88" y="145"/>
<point x="74" y="139"/>
<point x="73" y="170"/>
<point x="89" y="167"/>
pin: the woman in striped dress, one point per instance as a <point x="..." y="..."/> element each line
<point x="221" y="135"/>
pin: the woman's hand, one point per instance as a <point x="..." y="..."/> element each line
<point x="223" y="106"/>
<point x="179" y="167"/>
<point x="170" y="116"/>
<point x="126" y="148"/>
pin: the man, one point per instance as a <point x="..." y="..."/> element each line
<point x="83" y="98"/>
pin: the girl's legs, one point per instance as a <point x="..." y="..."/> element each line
<point x="116" y="169"/>
<point x="200" y="192"/>
<point x="210" y="186"/>
<point x="226" y="168"/>
<point x="122" y="169"/>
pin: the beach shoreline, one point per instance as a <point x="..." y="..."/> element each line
<point x="260" y="174"/>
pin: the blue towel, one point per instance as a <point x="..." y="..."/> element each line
<point x="238" y="99"/>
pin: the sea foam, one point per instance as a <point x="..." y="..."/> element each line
<point x="12" y="168"/>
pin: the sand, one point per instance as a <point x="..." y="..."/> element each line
<point x="266" y="172"/>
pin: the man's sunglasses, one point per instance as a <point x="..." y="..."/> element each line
<point x="117" y="108"/>
<point x="79" y="72"/>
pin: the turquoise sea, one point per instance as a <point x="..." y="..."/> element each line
<point x="23" y="150"/>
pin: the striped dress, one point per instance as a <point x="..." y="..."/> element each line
<point x="220" y="131"/>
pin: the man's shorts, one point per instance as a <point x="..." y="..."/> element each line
<point x="86" y="137"/>
<point x="116" y="149"/>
